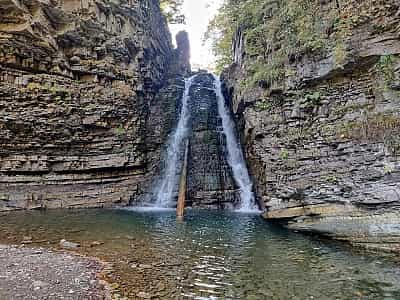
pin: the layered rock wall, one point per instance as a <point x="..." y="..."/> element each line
<point x="210" y="178"/>
<point x="210" y="182"/>
<point x="77" y="79"/>
<point x="323" y="143"/>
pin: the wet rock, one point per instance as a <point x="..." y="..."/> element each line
<point x="27" y="240"/>
<point x="75" y="60"/>
<point x="96" y="243"/>
<point x="144" y="266"/>
<point x="210" y="181"/>
<point x="69" y="245"/>
<point x="39" y="284"/>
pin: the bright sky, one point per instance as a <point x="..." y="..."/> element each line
<point x="198" y="13"/>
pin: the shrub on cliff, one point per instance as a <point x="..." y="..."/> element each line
<point x="275" y="32"/>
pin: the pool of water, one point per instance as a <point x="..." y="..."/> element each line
<point x="210" y="255"/>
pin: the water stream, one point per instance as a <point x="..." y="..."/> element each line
<point x="235" y="154"/>
<point x="170" y="177"/>
<point x="167" y="188"/>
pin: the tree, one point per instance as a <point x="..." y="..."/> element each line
<point x="172" y="9"/>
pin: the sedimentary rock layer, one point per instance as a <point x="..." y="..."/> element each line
<point x="77" y="79"/>
<point x="323" y="143"/>
<point x="210" y="182"/>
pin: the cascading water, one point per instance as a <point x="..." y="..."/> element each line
<point x="235" y="155"/>
<point x="167" y="188"/>
<point x="170" y="177"/>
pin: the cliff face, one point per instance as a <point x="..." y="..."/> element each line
<point x="210" y="182"/>
<point x="210" y="178"/>
<point x="323" y="143"/>
<point x="77" y="78"/>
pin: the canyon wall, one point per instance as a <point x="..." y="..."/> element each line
<point x="210" y="182"/>
<point x="323" y="141"/>
<point x="77" y="79"/>
<point x="210" y="179"/>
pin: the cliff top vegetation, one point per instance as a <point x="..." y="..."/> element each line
<point x="172" y="9"/>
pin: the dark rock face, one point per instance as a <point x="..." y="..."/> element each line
<point x="77" y="79"/>
<point x="162" y="120"/>
<point x="210" y="182"/>
<point x="324" y="147"/>
<point x="181" y="56"/>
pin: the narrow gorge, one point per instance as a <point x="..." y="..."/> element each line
<point x="140" y="172"/>
<point x="91" y="113"/>
<point x="217" y="175"/>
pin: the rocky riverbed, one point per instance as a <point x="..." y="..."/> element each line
<point x="38" y="273"/>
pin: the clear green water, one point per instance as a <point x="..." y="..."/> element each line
<point x="211" y="255"/>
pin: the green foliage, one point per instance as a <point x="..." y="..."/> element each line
<point x="120" y="130"/>
<point x="342" y="30"/>
<point x="340" y="54"/>
<point x="386" y="66"/>
<point x="379" y="127"/>
<point x="172" y="9"/>
<point x="284" y="154"/>
<point x="49" y="88"/>
<point x="276" y="32"/>
<point x="262" y="105"/>
<point x="314" y="98"/>
<point x="388" y="169"/>
<point x="34" y="86"/>
<point x="330" y="179"/>
<point x="220" y="32"/>
<point x="268" y="71"/>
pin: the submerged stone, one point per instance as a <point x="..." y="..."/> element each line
<point x="69" y="245"/>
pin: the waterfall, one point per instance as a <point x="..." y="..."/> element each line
<point x="169" y="181"/>
<point x="235" y="155"/>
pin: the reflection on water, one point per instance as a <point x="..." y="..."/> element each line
<point x="211" y="255"/>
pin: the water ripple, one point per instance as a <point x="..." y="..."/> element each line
<point x="215" y="255"/>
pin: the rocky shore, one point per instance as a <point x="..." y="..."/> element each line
<point x="39" y="273"/>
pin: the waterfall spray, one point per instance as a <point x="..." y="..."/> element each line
<point x="174" y="150"/>
<point x="235" y="155"/>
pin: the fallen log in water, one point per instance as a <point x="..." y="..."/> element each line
<point x="180" y="208"/>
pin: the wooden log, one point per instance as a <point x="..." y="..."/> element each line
<point x="180" y="208"/>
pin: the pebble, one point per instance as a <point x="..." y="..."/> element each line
<point x="50" y="275"/>
<point x="39" y="284"/>
<point x="143" y="295"/>
<point x="96" y="243"/>
<point x="144" y="266"/>
<point x="69" y="245"/>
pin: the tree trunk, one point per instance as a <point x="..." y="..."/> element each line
<point x="180" y="209"/>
